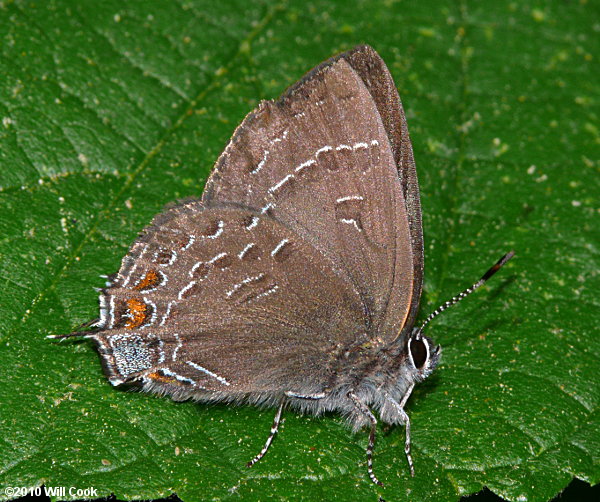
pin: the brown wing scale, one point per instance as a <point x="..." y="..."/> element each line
<point x="225" y="299"/>
<point x="332" y="159"/>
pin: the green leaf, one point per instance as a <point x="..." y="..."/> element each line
<point x="112" y="109"/>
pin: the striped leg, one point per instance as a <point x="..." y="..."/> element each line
<point x="363" y="408"/>
<point x="272" y="434"/>
<point x="404" y="417"/>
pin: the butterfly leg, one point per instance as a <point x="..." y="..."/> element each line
<point x="406" y="421"/>
<point x="364" y="409"/>
<point x="274" y="429"/>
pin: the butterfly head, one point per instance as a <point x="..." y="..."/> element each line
<point x="422" y="354"/>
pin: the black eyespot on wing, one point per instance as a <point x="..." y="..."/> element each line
<point x="418" y="352"/>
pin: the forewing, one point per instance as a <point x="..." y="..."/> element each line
<point x="378" y="80"/>
<point x="225" y="302"/>
<point x="325" y="159"/>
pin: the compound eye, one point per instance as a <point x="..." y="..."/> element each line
<point x="419" y="352"/>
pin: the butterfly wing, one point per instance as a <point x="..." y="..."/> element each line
<point x="378" y="80"/>
<point x="225" y="300"/>
<point x="332" y="160"/>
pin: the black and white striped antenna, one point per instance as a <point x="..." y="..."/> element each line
<point x="453" y="301"/>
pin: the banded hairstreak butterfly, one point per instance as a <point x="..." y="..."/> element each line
<point x="295" y="280"/>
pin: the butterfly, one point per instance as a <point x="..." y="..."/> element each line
<point x="295" y="280"/>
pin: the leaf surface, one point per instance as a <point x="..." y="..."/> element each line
<point x="111" y="110"/>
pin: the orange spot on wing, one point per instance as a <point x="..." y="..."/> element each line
<point x="137" y="312"/>
<point x="150" y="280"/>
<point x="159" y="377"/>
